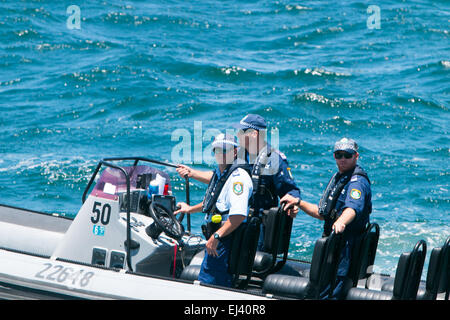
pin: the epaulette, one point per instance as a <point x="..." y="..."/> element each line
<point x="281" y="154"/>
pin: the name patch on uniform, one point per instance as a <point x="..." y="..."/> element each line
<point x="355" y="194"/>
<point x="282" y="155"/>
<point x="238" y="188"/>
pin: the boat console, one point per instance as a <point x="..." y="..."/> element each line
<point x="119" y="218"/>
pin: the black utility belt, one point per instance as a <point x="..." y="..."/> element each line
<point x="218" y="212"/>
<point x="209" y="228"/>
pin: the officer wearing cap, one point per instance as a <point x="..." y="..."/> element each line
<point x="271" y="175"/>
<point x="345" y="205"/>
<point x="225" y="206"/>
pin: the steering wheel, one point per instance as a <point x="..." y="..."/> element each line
<point x="166" y="221"/>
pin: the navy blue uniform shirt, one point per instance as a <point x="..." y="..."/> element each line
<point x="358" y="196"/>
<point x="277" y="181"/>
<point x="277" y="178"/>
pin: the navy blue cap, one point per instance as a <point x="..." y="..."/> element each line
<point x="252" y="121"/>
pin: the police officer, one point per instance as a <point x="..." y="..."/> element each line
<point x="271" y="175"/>
<point x="345" y="205"/>
<point x="227" y="196"/>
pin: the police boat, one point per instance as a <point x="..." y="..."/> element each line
<point x="126" y="243"/>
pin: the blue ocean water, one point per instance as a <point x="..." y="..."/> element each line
<point x="135" y="72"/>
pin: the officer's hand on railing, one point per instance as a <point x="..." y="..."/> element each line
<point x="184" y="170"/>
<point x="290" y="205"/>
<point x="338" y="227"/>
<point x="182" y="207"/>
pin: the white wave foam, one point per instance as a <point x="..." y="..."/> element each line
<point x="445" y="63"/>
<point x="232" y="69"/>
<point x="74" y="169"/>
<point x="320" y="72"/>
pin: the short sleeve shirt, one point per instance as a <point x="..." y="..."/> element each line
<point x="235" y="193"/>
<point x="356" y="195"/>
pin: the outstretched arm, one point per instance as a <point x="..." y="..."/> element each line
<point x="184" y="207"/>
<point x="310" y="209"/>
<point x="202" y="176"/>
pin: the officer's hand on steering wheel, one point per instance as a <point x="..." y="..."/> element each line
<point x="182" y="207"/>
<point x="166" y="220"/>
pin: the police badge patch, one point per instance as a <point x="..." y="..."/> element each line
<point x="355" y="194"/>
<point x="238" y="188"/>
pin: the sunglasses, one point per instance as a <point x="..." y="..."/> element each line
<point x="346" y="155"/>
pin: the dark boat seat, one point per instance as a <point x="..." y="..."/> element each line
<point x="191" y="272"/>
<point x="431" y="288"/>
<point x="445" y="277"/>
<point x="286" y="286"/>
<point x="243" y="250"/>
<point x="263" y="261"/>
<point x="242" y="254"/>
<point x="406" y="281"/>
<point x="363" y="257"/>
<point x="367" y="294"/>
<point x="278" y="227"/>
<point x="322" y="274"/>
<point x="437" y="274"/>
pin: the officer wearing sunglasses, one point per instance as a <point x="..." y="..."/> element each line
<point x="345" y="205"/>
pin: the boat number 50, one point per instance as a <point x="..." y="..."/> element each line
<point x="101" y="213"/>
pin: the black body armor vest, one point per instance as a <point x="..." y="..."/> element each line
<point x="327" y="204"/>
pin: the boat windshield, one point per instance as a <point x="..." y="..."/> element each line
<point x="112" y="182"/>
